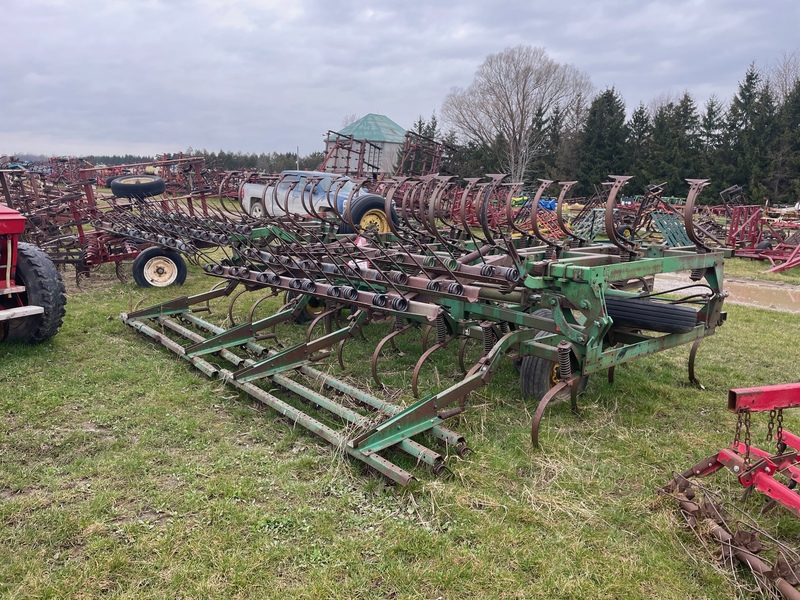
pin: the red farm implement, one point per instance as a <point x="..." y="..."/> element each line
<point x="773" y="472"/>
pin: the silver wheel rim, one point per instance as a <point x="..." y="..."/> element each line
<point x="160" y="271"/>
<point x="257" y="211"/>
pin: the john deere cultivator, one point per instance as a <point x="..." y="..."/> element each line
<point x="538" y="291"/>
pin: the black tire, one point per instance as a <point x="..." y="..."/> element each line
<point x="652" y="316"/>
<point x="537" y="375"/>
<point x="539" y="312"/>
<point x="625" y="231"/>
<point x="43" y="287"/>
<point x="158" y="267"/>
<point x="137" y="186"/>
<point x="764" y="245"/>
<point x="110" y="179"/>
<point x="361" y="206"/>
<point x="311" y="311"/>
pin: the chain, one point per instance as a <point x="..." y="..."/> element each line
<point x="738" y="434"/>
<point x="771" y="424"/>
<point x="747" y="438"/>
<point x="779" y="432"/>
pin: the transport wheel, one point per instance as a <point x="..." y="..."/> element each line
<point x="368" y="211"/>
<point x="43" y="287"/>
<point x="625" y="231"/>
<point x="137" y="186"/>
<point x="652" y="316"/>
<point x="313" y="308"/>
<point x="537" y="376"/>
<point x="540" y="312"/>
<point x="158" y="267"/>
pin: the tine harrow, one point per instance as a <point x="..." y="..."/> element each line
<point x="465" y="262"/>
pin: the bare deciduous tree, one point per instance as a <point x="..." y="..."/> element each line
<point x="783" y="75"/>
<point x="507" y="105"/>
<point x="349" y="120"/>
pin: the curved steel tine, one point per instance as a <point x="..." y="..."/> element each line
<point x="510" y="216"/>
<point x="562" y="224"/>
<point x="543" y="185"/>
<point x="233" y="300"/>
<point x="320" y="317"/>
<point x="537" y="417"/>
<point x="379" y="348"/>
<point x="692" y="356"/>
<point x="695" y="187"/>
<point x="420" y="362"/>
<point x="623" y="244"/>
<point x="462" y="353"/>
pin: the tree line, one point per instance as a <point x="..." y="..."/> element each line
<point x="531" y="117"/>
<point x="528" y="116"/>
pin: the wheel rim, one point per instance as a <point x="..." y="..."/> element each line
<point x="315" y="306"/>
<point x="160" y="271"/>
<point x="376" y="218"/>
<point x="256" y="211"/>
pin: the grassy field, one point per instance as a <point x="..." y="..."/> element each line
<point x="754" y="269"/>
<point x="126" y="474"/>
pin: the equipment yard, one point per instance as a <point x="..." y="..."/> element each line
<point x="319" y="413"/>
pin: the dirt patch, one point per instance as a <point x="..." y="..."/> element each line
<point x="783" y="297"/>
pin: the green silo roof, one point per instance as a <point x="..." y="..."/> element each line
<point x="375" y="128"/>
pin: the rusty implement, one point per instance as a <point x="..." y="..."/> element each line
<point x="464" y="264"/>
<point x="328" y="407"/>
<point x="775" y="473"/>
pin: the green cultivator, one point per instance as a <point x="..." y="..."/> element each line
<point x="524" y="284"/>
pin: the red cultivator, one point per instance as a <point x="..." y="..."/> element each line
<point x="775" y="474"/>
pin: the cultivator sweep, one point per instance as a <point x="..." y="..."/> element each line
<point x="773" y="473"/>
<point x="559" y="304"/>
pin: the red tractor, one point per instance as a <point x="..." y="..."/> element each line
<point x="32" y="298"/>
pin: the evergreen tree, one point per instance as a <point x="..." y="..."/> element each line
<point x="640" y="134"/>
<point x="604" y="136"/>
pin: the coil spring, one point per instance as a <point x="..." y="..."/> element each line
<point x="398" y="322"/>
<point x="489" y="339"/>
<point x="487" y="270"/>
<point x="455" y="288"/>
<point x="550" y="253"/>
<point x="349" y="293"/>
<point x="399" y="304"/>
<point x="334" y="291"/>
<point x="441" y="329"/>
<point x="309" y="286"/>
<point x="399" y="278"/>
<point x="433" y="285"/>
<point x="379" y="300"/>
<point x="564" y="362"/>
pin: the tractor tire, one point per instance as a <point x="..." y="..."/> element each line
<point x="43" y="287"/>
<point x="367" y="210"/>
<point x="158" y="267"/>
<point x="137" y="186"/>
<point x="652" y="316"/>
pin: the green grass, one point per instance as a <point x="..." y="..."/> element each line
<point x="754" y="269"/>
<point x="126" y="474"/>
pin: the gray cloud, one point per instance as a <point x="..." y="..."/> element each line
<point x="112" y="76"/>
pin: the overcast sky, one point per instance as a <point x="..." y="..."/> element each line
<point x="150" y="76"/>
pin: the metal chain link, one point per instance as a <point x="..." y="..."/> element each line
<point x="771" y="424"/>
<point x="737" y="435"/>
<point x="779" y="432"/>
<point x="747" y="438"/>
